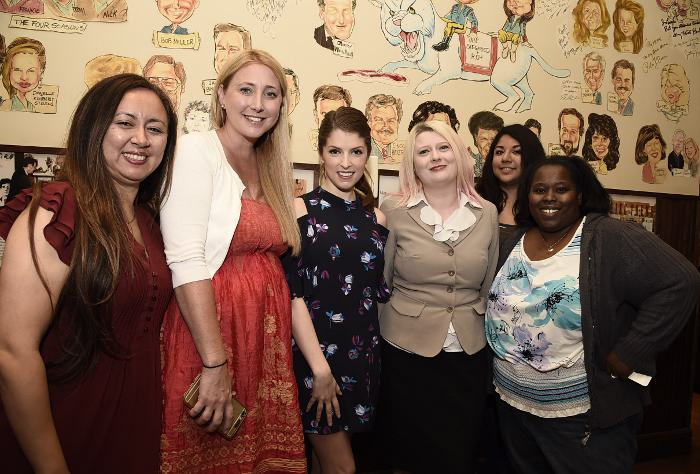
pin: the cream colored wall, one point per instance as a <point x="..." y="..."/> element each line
<point x="290" y="39"/>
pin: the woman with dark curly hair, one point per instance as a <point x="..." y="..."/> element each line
<point x="512" y="151"/>
<point x="601" y="147"/>
<point x="650" y="151"/>
<point x="434" y="110"/>
<point x="577" y="314"/>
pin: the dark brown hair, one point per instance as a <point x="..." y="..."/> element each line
<point x="103" y="244"/>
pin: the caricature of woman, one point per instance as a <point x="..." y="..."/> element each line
<point x="519" y="12"/>
<point x="602" y="144"/>
<point x="628" y="18"/>
<point x="691" y="156"/>
<point x="591" y="21"/>
<point x="651" y="151"/>
<point x="22" y="70"/>
<point x="675" y="92"/>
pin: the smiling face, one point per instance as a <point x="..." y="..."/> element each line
<point x="197" y="121"/>
<point x="623" y="83"/>
<point x="678" y="141"/>
<point x="600" y="144"/>
<point x="177" y="11"/>
<point x="226" y="46"/>
<point x="592" y="16"/>
<point x="653" y="150"/>
<point x="135" y="141"/>
<point x="163" y="75"/>
<point x="691" y="151"/>
<point x="338" y="18"/>
<point x="553" y="200"/>
<point x="671" y="92"/>
<point x="507" y="161"/>
<point x="483" y="140"/>
<point x="593" y="74"/>
<point x="434" y="160"/>
<point x="627" y="23"/>
<point x="25" y="72"/>
<point x="384" y="124"/>
<point x="343" y="159"/>
<point x="252" y="100"/>
<point x="569" y="133"/>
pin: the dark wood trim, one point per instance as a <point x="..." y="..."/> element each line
<point x="33" y="149"/>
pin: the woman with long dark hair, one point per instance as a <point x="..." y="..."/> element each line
<point x="83" y="288"/>
<point x="513" y="150"/>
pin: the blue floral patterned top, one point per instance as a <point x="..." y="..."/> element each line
<point x="533" y="324"/>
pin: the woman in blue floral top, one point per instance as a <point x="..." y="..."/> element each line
<point x="336" y="283"/>
<point x="579" y="310"/>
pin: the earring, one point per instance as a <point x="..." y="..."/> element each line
<point x="223" y="106"/>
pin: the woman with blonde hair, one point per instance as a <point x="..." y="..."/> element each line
<point x="440" y="259"/>
<point x="22" y="70"/>
<point x="675" y="92"/>
<point x="228" y="218"/>
<point x="591" y="20"/>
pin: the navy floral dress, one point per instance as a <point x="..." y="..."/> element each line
<point x="339" y="273"/>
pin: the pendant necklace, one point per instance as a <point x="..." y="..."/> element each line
<point x="550" y="248"/>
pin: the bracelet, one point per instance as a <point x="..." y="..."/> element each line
<point x="215" y="366"/>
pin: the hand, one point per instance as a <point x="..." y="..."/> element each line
<point x="213" y="409"/>
<point x="325" y="395"/>
<point x="616" y="367"/>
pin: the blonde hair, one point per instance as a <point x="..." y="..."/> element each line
<point x="273" y="150"/>
<point x="675" y="75"/>
<point x="22" y="45"/>
<point x="691" y="141"/>
<point x="581" y="33"/>
<point x="109" y="65"/>
<point x="411" y="186"/>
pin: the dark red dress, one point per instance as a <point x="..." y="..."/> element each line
<point x="110" y="420"/>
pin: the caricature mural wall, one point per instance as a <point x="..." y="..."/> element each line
<point x="174" y="35"/>
<point x="591" y="22"/>
<point x="108" y="65"/>
<point x="606" y="69"/>
<point x="106" y="11"/>
<point x="22" y="73"/>
<point x="503" y="58"/>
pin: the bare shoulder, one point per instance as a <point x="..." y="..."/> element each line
<point x="381" y="217"/>
<point x="299" y="208"/>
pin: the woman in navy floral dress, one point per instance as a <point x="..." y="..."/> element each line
<point x="336" y="283"/>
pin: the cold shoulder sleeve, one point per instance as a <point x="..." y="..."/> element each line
<point x="58" y="198"/>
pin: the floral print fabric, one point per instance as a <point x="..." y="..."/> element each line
<point x="533" y="314"/>
<point x="339" y="273"/>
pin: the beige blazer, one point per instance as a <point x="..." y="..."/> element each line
<point x="434" y="283"/>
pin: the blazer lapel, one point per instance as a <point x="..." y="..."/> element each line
<point x="414" y="212"/>
<point x="478" y="213"/>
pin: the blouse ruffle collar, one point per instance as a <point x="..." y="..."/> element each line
<point x="461" y="219"/>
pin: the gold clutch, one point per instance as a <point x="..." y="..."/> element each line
<point x="239" y="411"/>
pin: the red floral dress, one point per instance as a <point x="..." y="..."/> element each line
<point x="254" y="311"/>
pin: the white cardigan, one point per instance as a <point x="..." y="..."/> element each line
<point x="199" y="216"/>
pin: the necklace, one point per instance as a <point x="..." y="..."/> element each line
<point x="550" y="247"/>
